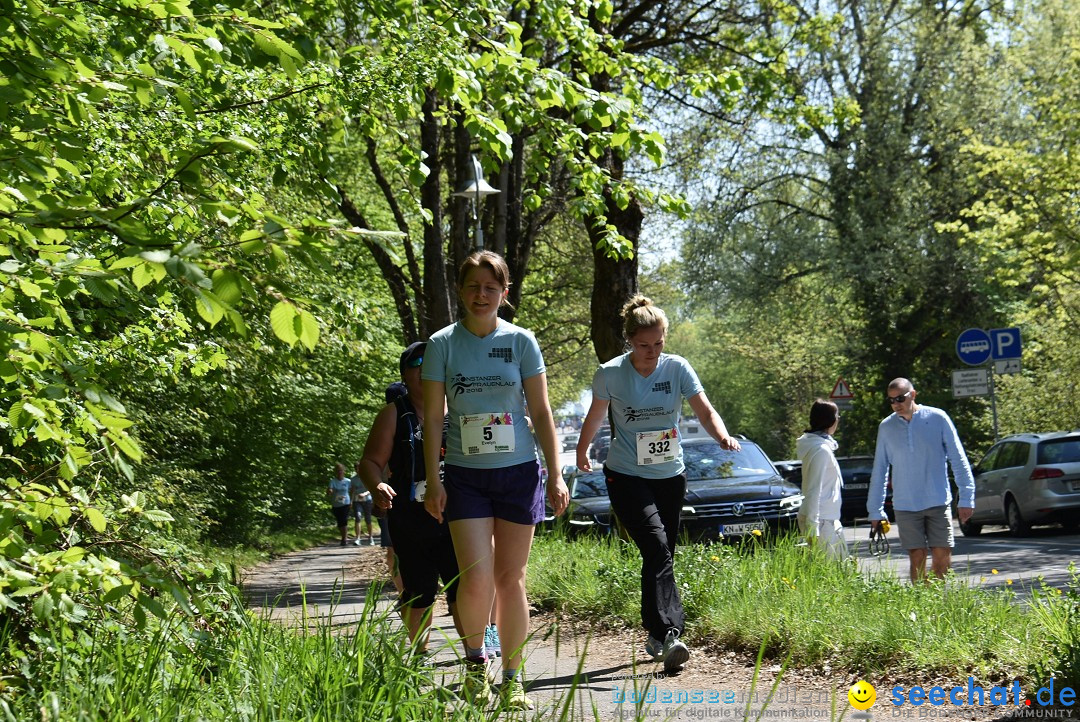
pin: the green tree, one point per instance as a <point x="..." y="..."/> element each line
<point x="852" y="193"/>
<point x="1024" y="224"/>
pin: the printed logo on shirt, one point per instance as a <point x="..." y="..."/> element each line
<point x="505" y="354"/>
<point x="633" y="414"/>
<point x="664" y="386"/>
<point x="476" y="384"/>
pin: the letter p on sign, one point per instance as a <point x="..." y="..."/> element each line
<point x="1005" y="343"/>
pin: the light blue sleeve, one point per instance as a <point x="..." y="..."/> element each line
<point x="599" y="385"/>
<point x="875" y="497"/>
<point x="532" y="360"/>
<point x="689" y="383"/>
<point x="961" y="469"/>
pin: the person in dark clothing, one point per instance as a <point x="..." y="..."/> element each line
<point x="424" y="549"/>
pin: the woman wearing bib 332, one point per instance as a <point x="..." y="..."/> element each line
<point x="487" y="369"/>
<point x="644" y="389"/>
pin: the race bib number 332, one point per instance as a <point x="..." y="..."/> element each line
<point x="657" y="447"/>
<point x="487" y="433"/>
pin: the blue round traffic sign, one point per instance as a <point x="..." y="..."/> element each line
<point x="973" y="347"/>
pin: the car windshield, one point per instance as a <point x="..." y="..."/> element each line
<point x="1059" y="451"/>
<point x="589" y="486"/>
<point x="710" y="461"/>
<point x="851" y="468"/>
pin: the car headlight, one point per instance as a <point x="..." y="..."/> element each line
<point x="791" y="503"/>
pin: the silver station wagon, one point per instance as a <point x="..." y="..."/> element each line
<point x="1028" y="479"/>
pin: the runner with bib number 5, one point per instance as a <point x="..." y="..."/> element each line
<point x="492" y="495"/>
<point x="644" y="389"/>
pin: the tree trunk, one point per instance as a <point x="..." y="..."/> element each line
<point x="436" y="290"/>
<point x="395" y="278"/>
<point x="614" y="281"/>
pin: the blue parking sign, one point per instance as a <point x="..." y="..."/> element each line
<point x="973" y="347"/>
<point x="1004" y="343"/>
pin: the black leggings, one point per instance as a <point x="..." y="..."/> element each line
<point x="649" y="509"/>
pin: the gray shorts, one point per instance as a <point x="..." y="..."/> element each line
<point x="927" y="528"/>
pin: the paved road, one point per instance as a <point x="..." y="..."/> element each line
<point x="1045" y="553"/>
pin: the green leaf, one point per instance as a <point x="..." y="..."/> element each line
<point x="227" y="286"/>
<point x="281" y="321"/>
<point x="125" y="444"/>
<point x="30" y="288"/>
<point x="44" y="606"/>
<point x="309" y="330"/>
<point x="154" y="606"/>
<point x="117" y="593"/>
<point x="96" y="519"/>
<point x="209" y="307"/>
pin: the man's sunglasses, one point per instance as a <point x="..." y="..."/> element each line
<point x="414" y="363"/>
<point x="898" y="399"/>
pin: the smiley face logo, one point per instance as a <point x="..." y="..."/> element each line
<point x="862" y="695"/>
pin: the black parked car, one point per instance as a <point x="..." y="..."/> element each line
<point x="856" y="470"/>
<point x="790" y="470"/>
<point x="728" y="494"/>
<point x="598" y="451"/>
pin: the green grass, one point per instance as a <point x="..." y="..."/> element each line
<point x="819" y="611"/>
<point x="251" y="669"/>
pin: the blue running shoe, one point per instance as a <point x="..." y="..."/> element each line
<point x="491" y="641"/>
<point x="654" y="648"/>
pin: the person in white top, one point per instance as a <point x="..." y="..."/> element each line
<point x="819" y="516"/>
<point x="644" y="390"/>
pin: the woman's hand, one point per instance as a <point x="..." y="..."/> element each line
<point x="435" y="500"/>
<point x="383" y="496"/>
<point x="557" y="493"/>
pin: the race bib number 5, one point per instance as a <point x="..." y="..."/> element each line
<point x="487" y="433"/>
<point x="657" y="447"/>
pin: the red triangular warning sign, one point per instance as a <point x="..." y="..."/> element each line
<point x="841" y="390"/>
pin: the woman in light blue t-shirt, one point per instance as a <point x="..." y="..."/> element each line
<point x="644" y="390"/>
<point x="338" y="491"/>
<point x="487" y="371"/>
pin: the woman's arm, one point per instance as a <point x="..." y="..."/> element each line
<point x="536" y="397"/>
<point x="814" y="467"/>
<point x="712" y="422"/>
<point x="377" y="451"/>
<point x="593" y="419"/>
<point x="434" y="413"/>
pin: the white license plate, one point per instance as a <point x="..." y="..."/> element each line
<point x="856" y="486"/>
<point x="1075" y="485"/>
<point x="735" y="529"/>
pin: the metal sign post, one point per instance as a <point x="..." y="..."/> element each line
<point x="993" y="402"/>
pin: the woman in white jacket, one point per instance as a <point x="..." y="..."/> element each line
<point x="819" y="517"/>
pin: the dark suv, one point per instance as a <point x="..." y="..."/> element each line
<point x="728" y="494"/>
<point x="1028" y="479"/>
<point x="856" y="471"/>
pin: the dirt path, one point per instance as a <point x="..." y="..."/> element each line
<point x="614" y="670"/>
